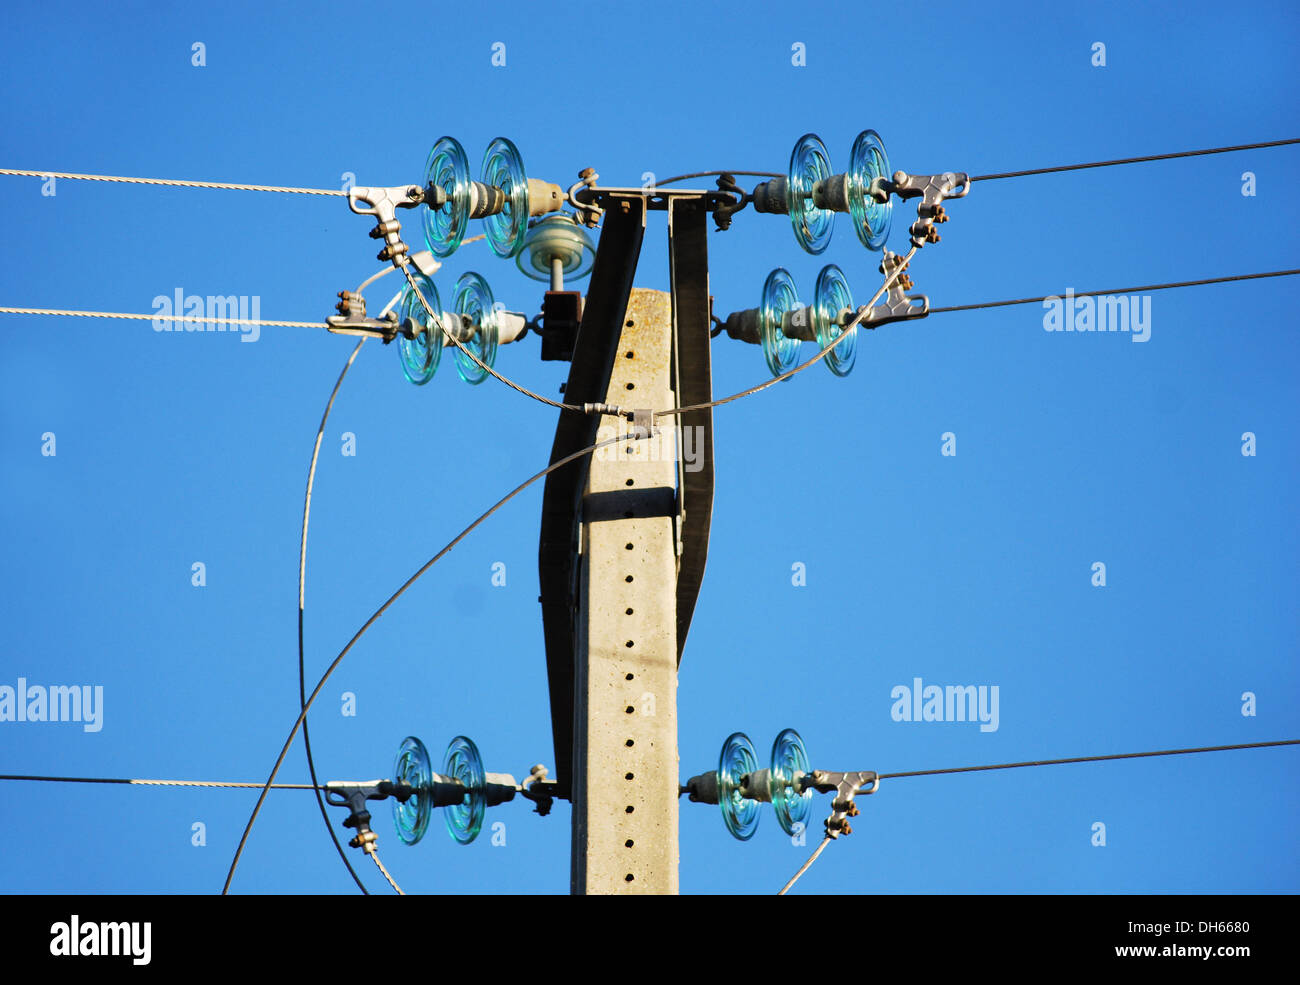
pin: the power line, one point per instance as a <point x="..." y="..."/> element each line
<point x="302" y="581"/>
<point x="234" y="784"/>
<point x="384" y="608"/>
<point x="396" y="888"/>
<point x="1091" y="759"/>
<point x="1135" y="160"/>
<point x="806" y="866"/>
<point x="1041" y="762"/>
<point x="174" y="181"/>
<point x="1117" y="290"/>
<point x="709" y="174"/>
<point x="155" y="315"/>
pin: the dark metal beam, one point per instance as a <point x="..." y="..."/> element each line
<point x="594" y="352"/>
<point x="688" y="258"/>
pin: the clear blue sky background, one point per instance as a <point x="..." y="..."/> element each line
<point x="968" y="570"/>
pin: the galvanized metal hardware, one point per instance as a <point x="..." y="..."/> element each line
<point x="383" y="203"/>
<point x="351" y="320"/>
<point x="540" y="789"/>
<point x="897" y="305"/>
<point x="353" y="796"/>
<point x="933" y="190"/>
<point x="592" y="201"/>
<point x="845" y="786"/>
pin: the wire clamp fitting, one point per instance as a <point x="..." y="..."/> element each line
<point x="354" y="796"/>
<point x="933" y="190"/>
<point x="643" y="423"/>
<point x="845" y="786"/>
<point x="539" y="788"/>
<point x="589" y="212"/>
<point x="898" y="305"/>
<point x="351" y="319"/>
<point x="383" y="203"/>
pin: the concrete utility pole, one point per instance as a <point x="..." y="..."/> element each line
<point x="625" y="703"/>
<point x="624" y="538"/>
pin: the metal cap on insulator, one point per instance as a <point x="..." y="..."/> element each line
<point x="485" y="200"/>
<point x="703" y="789"/>
<point x="770" y="197"/>
<point x="743" y="325"/>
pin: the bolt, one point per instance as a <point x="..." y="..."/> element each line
<point x="586" y="173"/>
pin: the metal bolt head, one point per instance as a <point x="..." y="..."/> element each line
<point x="586" y="173"/>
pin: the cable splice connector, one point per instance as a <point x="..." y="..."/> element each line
<point x="605" y="409"/>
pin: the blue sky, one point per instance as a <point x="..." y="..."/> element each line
<point x="974" y="569"/>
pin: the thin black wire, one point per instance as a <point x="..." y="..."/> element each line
<point x="302" y="581"/>
<point x="1091" y="759"/>
<point x="233" y="784"/>
<point x="1041" y="762"/>
<point x="709" y="174"/>
<point x="379" y="612"/>
<point x="1118" y="290"/>
<point x="1135" y="160"/>
<point x="1021" y="174"/>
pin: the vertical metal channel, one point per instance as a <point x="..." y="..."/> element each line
<point x="688" y="257"/>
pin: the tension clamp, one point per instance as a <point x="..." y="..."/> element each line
<point x="845" y="786"/>
<point x="383" y="203"/>
<point x="933" y="190"/>
<point x="353" y="796"/>
<point x="898" y="304"/>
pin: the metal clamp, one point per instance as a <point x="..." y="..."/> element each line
<point x="383" y="203"/>
<point x="351" y="320"/>
<point x="539" y="788"/>
<point x="933" y="190"/>
<point x="591" y="200"/>
<point x="353" y="796"/>
<point x="845" y="786"/>
<point x="898" y="305"/>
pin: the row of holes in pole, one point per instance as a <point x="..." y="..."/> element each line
<point x="630" y="676"/>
